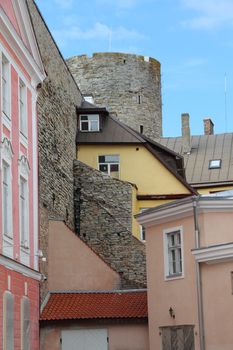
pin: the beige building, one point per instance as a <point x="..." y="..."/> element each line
<point x="190" y="273"/>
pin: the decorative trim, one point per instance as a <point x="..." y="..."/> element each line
<point x="145" y="197"/>
<point x="7" y="150"/>
<point x="17" y="267"/>
<point x="24" y="167"/>
<point x="214" y="254"/>
<point x="184" y="208"/>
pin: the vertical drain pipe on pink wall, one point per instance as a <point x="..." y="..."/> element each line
<point x="198" y="275"/>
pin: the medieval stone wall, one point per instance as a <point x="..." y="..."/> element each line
<point x="57" y="101"/>
<point x="103" y="216"/>
<point x="128" y="85"/>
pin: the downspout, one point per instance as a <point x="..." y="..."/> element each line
<point x="198" y="277"/>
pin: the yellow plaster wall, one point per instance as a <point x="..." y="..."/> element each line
<point x="137" y="165"/>
<point x="140" y="167"/>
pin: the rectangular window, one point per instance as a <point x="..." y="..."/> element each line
<point x="6" y="199"/>
<point x="173" y="253"/>
<point x="22" y="108"/>
<point x="89" y="122"/>
<point x="23" y="212"/>
<point x="5" y="86"/>
<point x="110" y="165"/>
<point x="25" y="323"/>
<point x="8" y="321"/>
<point x="142" y="228"/>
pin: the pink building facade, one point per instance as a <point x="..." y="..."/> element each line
<point x="21" y="71"/>
<point x="190" y="274"/>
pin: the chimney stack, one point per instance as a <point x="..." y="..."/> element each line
<point x="186" y="138"/>
<point x="208" y="126"/>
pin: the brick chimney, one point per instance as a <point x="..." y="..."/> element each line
<point x="208" y="126"/>
<point x="186" y="138"/>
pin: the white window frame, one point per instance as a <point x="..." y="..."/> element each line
<point x="23" y="123"/>
<point x="6" y="159"/>
<point x="167" y="275"/>
<point x="109" y="164"/>
<point x="89" y="122"/>
<point x="23" y="178"/>
<point x="7" y="189"/>
<point x="142" y="227"/>
<point x="6" y="76"/>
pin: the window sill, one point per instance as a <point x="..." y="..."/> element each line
<point x="174" y="277"/>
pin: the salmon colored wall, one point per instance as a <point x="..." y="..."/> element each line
<point x="215" y="228"/>
<point x="180" y="294"/>
<point x="73" y="265"/>
<point x="218" y="305"/>
<point x="125" y="336"/>
<point x="17" y="289"/>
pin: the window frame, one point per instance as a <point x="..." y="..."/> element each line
<point x="5" y="68"/>
<point x="24" y="236"/>
<point x="217" y="166"/>
<point x="109" y="164"/>
<point x="89" y="122"/>
<point x="23" y="122"/>
<point x="166" y="233"/>
<point x="9" y="232"/>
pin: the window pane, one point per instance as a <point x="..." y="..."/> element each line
<point x="101" y="159"/>
<point x="103" y="168"/>
<point x="84" y="117"/>
<point x="112" y="159"/>
<point x="84" y="126"/>
<point x="8" y="319"/>
<point x="93" y="118"/>
<point x="25" y="327"/>
<point x="94" y="126"/>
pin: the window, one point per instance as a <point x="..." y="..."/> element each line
<point x="173" y="253"/>
<point x="6" y="199"/>
<point x="5" y="86"/>
<point x="23" y="193"/>
<point x="215" y="164"/>
<point x="142" y="228"/>
<point x="25" y="323"/>
<point x="22" y="108"/>
<point x="89" y="122"/>
<point x="8" y="321"/>
<point x="109" y="165"/>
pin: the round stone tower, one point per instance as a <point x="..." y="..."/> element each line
<point x="129" y="86"/>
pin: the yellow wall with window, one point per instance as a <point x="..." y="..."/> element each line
<point x="137" y="166"/>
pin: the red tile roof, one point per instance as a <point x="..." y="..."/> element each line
<point x="92" y="305"/>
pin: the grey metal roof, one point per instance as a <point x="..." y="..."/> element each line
<point x="203" y="149"/>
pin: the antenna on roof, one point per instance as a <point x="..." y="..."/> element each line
<point x="225" y="91"/>
<point x="110" y="40"/>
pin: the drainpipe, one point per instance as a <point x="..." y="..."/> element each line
<point x="198" y="277"/>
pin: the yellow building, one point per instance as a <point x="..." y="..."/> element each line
<point x="107" y="145"/>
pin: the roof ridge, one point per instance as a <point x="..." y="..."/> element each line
<point x="113" y="291"/>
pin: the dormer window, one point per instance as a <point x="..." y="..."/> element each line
<point x="215" y="164"/>
<point x="89" y="122"/>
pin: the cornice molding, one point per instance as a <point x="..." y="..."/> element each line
<point x="17" y="267"/>
<point x="214" y="254"/>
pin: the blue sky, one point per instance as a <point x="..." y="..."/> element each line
<point x="193" y="40"/>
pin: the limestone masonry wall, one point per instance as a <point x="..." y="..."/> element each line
<point x="128" y="85"/>
<point x="103" y="216"/>
<point x="57" y="101"/>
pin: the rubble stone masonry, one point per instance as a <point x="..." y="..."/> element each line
<point x="128" y="85"/>
<point x="57" y="100"/>
<point x="103" y="217"/>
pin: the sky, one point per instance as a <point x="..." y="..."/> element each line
<point x="192" y="39"/>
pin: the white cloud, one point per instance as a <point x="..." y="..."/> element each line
<point x="211" y="13"/>
<point x="97" y="32"/>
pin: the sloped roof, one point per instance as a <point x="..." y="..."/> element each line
<point x="112" y="131"/>
<point x="203" y="149"/>
<point x="95" y="305"/>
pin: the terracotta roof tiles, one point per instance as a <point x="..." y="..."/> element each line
<point x="93" y="305"/>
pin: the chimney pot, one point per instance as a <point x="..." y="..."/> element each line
<point x="208" y="126"/>
<point x="186" y="138"/>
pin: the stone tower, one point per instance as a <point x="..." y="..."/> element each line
<point x="128" y="85"/>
